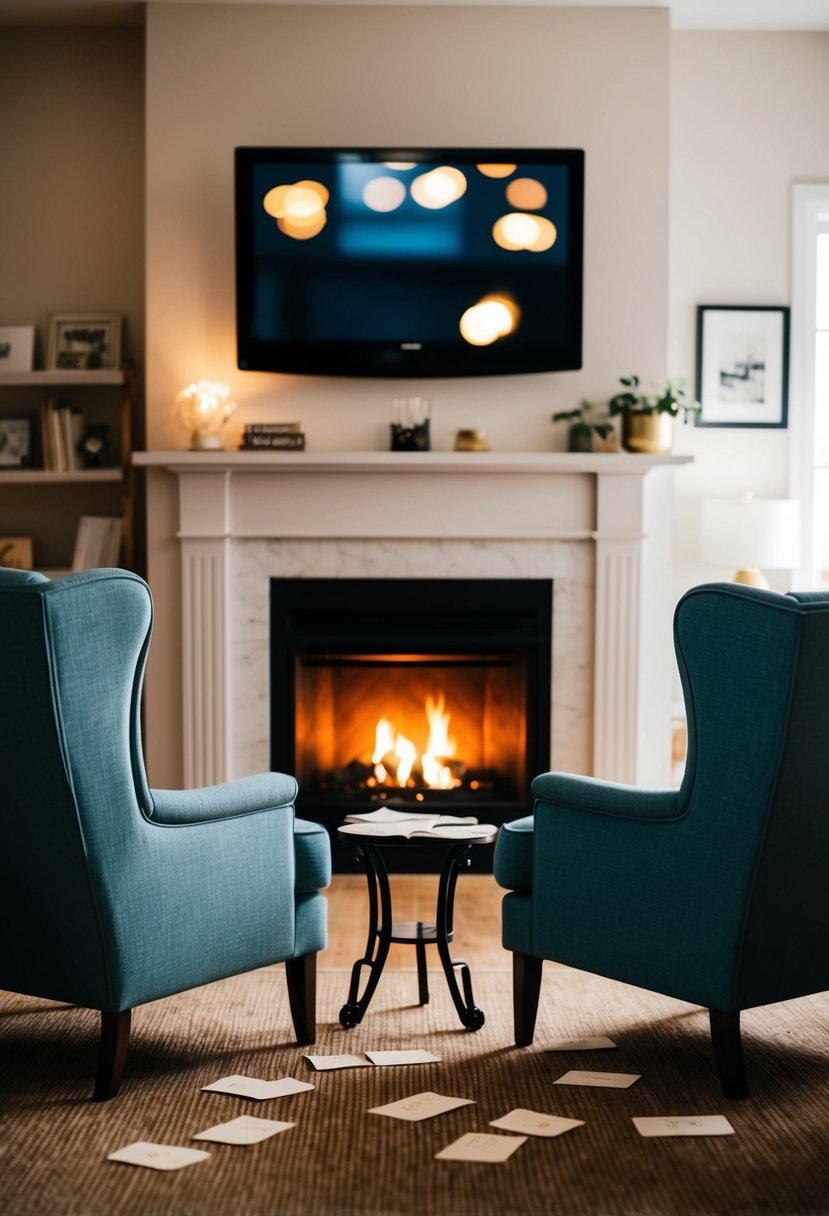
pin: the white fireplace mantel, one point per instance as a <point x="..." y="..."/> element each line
<point x="617" y="506"/>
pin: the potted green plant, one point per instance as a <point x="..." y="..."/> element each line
<point x="648" y="418"/>
<point x="583" y="426"/>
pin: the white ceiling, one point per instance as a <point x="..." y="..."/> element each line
<point x="685" y="14"/>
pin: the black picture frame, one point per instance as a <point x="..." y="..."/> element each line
<point x="15" y="441"/>
<point x="742" y="367"/>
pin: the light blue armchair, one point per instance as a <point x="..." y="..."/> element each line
<point x="715" y="893"/>
<point x="113" y="894"/>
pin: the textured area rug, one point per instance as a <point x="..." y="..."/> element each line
<point x="341" y="1160"/>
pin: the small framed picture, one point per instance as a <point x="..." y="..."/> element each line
<point x="15" y="443"/>
<point x="17" y="348"/>
<point x="742" y="365"/>
<point x="85" y="341"/>
<point x="16" y="552"/>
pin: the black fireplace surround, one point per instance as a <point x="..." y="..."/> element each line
<point x="347" y="652"/>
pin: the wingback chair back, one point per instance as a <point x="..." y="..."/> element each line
<point x="113" y="894"/>
<point x="714" y="893"/>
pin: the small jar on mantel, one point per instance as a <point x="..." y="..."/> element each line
<point x="648" y="433"/>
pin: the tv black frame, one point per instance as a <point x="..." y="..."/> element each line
<point x="392" y="360"/>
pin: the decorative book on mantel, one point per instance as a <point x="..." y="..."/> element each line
<point x="265" y="436"/>
<point x="389" y="822"/>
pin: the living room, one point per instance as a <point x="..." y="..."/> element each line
<point x="121" y="199"/>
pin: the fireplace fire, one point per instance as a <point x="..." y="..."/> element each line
<point x="435" y="694"/>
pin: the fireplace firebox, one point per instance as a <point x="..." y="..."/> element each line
<point x="427" y="694"/>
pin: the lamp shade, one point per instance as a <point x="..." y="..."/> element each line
<point x="751" y="532"/>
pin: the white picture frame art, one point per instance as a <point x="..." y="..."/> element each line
<point x="742" y="365"/>
<point x="17" y="348"/>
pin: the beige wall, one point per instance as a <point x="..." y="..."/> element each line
<point x="748" y="121"/>
<point x="220" y="76"/>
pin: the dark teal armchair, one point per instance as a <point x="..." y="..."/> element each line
<point x="113" y="894"/>
<point x="715" y="893"/>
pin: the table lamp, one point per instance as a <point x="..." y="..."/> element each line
<point x="750" y="535"/>
<point x="204" y="408"/>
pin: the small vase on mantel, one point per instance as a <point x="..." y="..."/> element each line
<point x="650" y="434"/>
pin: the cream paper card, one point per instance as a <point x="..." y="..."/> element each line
<point x="420" y="1106"/>
<point x="323" y="1063"/>
<point x="612" y="1080"/>
<point x="481" y="1146"/>
<point x="254" y="1087"/>
<point x="384" y="1058"/>
<point x="598" y="1042"/>
<point x="533" y="1123"/>
<point x="158" y="1156"/>
<point x="247" y="1129"/>
<point x="683" y="1125"/>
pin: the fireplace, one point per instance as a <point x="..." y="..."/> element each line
<point x="430" y="694"/>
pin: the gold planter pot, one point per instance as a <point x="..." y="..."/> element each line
<point x="650" y="434"/>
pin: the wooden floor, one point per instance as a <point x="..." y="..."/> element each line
<point x="477" y="919"/>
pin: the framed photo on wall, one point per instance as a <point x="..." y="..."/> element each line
<point x="85" y="342"/>
<point x="742" y="365"/>
<point x="17" y="345"/>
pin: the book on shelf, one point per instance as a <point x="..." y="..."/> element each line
<point x="97" y="542"/>
<point x="389" y="822"/>
<point x="263" y="442"/>
<point x="61" y="428"/>
<point x="272" y="428"/>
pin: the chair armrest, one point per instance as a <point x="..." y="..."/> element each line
<point x="312" y="849"/>
<point x="244" y="796"/>
<point x="606" y="797"/>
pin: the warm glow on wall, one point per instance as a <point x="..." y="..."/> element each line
<point x="518" y="231"/>
<point x="496" y="170"/>
<point x="384" y="193"/>
<point x="438" y="188"/>
<point x="491" y="318"/>
<point x="526" y="194"/>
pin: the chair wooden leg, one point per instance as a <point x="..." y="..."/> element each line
<point x="728" y="1052"/>
<point x="526" y="987"/>
<point x="112" y="1054"/>
<point x="301" y="974"/>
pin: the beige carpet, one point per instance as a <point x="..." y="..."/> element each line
<point x="339" y="1159"/>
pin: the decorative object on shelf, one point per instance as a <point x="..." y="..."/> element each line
<point x="270" y="436"/>
<point x="410" y="428"/>
<point x="742" y="365"/>
<point x="472" y="440"/>
<point x="583" y="426"/>
<point x="750" y="535"/>
<point x="16" y="552"/>
<point x="204" y="407"/>
<point x="648" y="418"/>
<point x="17" y="348"/>
<point x="93" y="448"/>
<point x="15" y="442"/>
<point x="85" y="341"/>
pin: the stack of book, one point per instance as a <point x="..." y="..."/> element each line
<point x="61" y="429"/>
<point x="97" y="542"/>
<point x="261" y="436"/>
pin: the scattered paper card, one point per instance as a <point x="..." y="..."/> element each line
<point x="599" y="1042"/>
<point x="420" y="1106"/>
<point x="385" y="1058"/>
<point x="158" y="1156"/>
<point x="247" y="1129"/>
<point x="254" y="1087"/>
<point x="480" y="1146"/>
<point x="533" y="1123"/>
<point x="683" y="1125"/>
<point x="612" y="1080"/>
<point x="322" y="1063"/>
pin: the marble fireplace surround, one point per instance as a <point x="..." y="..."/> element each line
<point x="599" y="526"/>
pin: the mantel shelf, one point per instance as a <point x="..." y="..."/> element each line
<point x="405" y="462"/>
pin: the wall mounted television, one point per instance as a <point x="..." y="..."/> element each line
<point x="409" y="262"/>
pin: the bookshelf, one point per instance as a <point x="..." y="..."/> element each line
<point x="46" y="504"/>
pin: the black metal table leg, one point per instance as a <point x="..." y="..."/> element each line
<point x="377" y="943"/>
<point x="470" y="1015"/>
<point x="422" y="974"/>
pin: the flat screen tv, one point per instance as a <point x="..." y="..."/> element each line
<point x="409" y="262"/>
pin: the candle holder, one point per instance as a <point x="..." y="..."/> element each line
<point x="410" y="426"/>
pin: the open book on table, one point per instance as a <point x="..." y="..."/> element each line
<point x="388" y="822"/>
